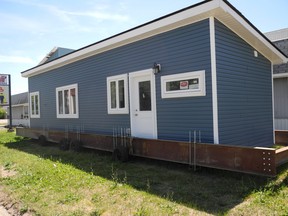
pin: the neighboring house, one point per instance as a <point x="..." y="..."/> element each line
<point x="56" y="52"/>
<point x="204" y="68"/>
<point x="280" y="39"/>
<point x="20" y="110"/>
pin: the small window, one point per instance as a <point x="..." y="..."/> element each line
<point x="34" y="105"/>
<point x="117" y="94"/>
<point x="188" y="84"/>
<point x="67" y="101"/>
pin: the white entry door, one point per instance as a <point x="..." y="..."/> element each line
<point x="143" y="104"/>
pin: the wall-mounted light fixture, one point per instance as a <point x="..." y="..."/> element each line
<point x="156" y="68"/>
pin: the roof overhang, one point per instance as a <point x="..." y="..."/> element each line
<point x="21" y="105"/>
<point x="280" y="75"/>
<point x="220" y="9"/>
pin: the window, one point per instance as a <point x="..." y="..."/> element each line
<point x="34" y="105"/>
<point x="67" y="101"/>
<point x="188" y="84"/>
<point x="117" y="94"/>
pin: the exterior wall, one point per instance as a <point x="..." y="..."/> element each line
<point x="244" y="92"/>
<point x="20" y="116"/>
<point x="280" y="90"/>
<point x="281" y="103"/>
<point x="182" y="50"/>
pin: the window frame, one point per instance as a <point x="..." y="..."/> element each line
<point x="34" y="94"/>
<point x="62" y="89"/>
<point x="116" y="79"/>
<point x="201" y="91"/>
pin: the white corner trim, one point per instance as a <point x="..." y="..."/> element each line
<point x="272" y="84"/>
<point x="214" y="81"/>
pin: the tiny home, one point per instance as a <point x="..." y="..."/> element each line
<point x="204" y="68"/>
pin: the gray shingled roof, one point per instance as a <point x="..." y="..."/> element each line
<point x="21" y="98"/>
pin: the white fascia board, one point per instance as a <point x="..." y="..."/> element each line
<point x="19" y="105"/>
<point x="280" y="75"/>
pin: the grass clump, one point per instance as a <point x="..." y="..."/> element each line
<point x="54" y="182"/>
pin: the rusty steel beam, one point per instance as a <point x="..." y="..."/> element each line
<point x="260" y="161"/>
<point x="281" y="137"/>
<point x="281" y="156"/>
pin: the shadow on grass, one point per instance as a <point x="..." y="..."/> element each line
<point x="209" y="190"/>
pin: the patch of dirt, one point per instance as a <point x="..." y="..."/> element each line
<point x="10" y="207"/>
<point x="4" y="173"/>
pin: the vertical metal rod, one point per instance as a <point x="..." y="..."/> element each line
<point x="46" y="131"/>
<point x="199" y="136"/>
<point x="125" y="137"/>
<point x="113" y="138"/>
<point x="190" y="159"/>
<point x="78" y="133"/>
<point x="121" y="138"/>
<point x="117" y="134"/>
<point x="195" y="137"/>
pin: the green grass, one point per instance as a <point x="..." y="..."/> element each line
<point x="53" y="182"/>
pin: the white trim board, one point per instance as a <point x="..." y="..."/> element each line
<point x="273" y="114"/>
<point x="280" y="75"/>
<point x="220" y="9"/>
<point x="214" y="81"/>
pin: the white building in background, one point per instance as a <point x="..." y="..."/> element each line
<point x="280" y="77"/>
<point x="20" y="110"/>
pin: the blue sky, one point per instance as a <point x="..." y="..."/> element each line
<point x="31" y="28"/>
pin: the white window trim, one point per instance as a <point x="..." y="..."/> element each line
<point x="117" y="110"/>
<point x="62" y="88"/>
<point x="34" y="94"/>
<point x="184" y="93"/>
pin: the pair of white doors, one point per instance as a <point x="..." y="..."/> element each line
<point x="143" y="104"/>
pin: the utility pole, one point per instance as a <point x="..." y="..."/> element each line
<point x="10" y="105"/>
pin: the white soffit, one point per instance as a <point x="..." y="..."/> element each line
<point x="215" y="8"/>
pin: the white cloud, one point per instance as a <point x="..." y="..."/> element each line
<point x="98" y="15"/>
<point x="16" y="59"/>
<point x="16" y="22"/>
<point x="66" y="15"/>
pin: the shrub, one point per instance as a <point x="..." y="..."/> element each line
<point x="2" y="113"/>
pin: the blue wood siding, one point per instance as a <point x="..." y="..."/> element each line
<point x="244" y="92"/>
<point x="182" y="50"/>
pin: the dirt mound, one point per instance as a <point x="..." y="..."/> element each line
<point x="8" y="207"/>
